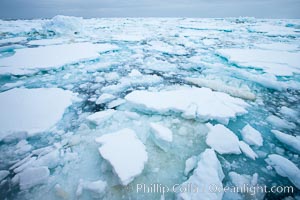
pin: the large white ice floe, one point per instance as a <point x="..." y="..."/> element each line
<point x="280" y="123"/>
<point x="208" y="104"/>
<point x="101" y="116"/>
<point x="125" y="152"/>
<point x="223" y="140"/>
<point x="285" y="168"/>
<point x="290" y="141"/>
<point x="32" y="110"/>
<point x="30" y="60"/>
<point x="273" y="62"/>
<point x="251" y="136"/>
<point x="207" y="175"/>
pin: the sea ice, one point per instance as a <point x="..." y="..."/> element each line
<point x="223" y="140"/>
<point x="33" y="176"/>
<point x="285" y="168"/>
<point x="125" y="152"/>
<point x="101" y="116"/>
<point x="291" y="141"/>
<point x="273" y="62"/>
<point x="32" y="110"/>
<point x="210" y="105"/>
<point x="251" y="136"/>
<point x="162" y="135"/>
<point x="246" y="149"/>
<point x="104" y="98"/>
<point x="208" y="172"/>
<point x="53" y="56"/>
<point x="97" y="187"/>
<point x="280" y="123"/>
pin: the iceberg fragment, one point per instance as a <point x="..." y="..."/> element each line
<point x="252" y="136"/>
<point x="223" y="140"/>
<point x="285" y="168"/>
<point x="291" y="141"/>
<point x="207" y="175"/>
<point x="210" y="105"/>
<point x="125" y="152"/>
<point x="32" y="110"/>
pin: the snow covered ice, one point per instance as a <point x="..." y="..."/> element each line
<point x="93" y="108"/>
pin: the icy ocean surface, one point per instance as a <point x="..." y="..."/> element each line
<point x="95" y="108"/>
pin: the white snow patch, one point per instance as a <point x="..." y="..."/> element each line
<point x="32" y="110"/>
<point x="125" y="152"/>
<point x="223" y="140"/>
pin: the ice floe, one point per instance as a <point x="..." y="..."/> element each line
<point x="32" y="110"/>
<point x="97" y="187"/>
<point x="291" y="141"/>
<point x="285" y="168"/>
<point x="101" y="116"/>
<point x="246" y="149"/>
<point x="223" y="140"/>
<point x="273" y="62"/>
<point x="207" y="174"/>
<point x="33" y="176"/>
<point x="125" y="152"/>
<point x="32" y="60"/>
<point x="209" y="104"/>
<point x="252" y="136"/>
<point x="280" y="123"/>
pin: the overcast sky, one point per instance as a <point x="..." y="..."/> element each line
<point x="150" y="8"/>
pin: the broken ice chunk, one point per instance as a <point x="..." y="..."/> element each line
<point x="247" y="150"/>
<point x="280" y="123"/>
<point x="190" y="164"/>
<point x="3" y="174"/>
<point x="251" y="136"/>
<point x="97" y="187"/>
<point x="210" y="105"/>
<point x="100" y="117"/>
<point x="32" y="110"/>
<point x="162" y="135"/>
<point x="31" y="60"/>
<point x="125" y="152"/>
<point x="207" y="175"/>
<point x="33" y="176"/>
<point x="223" y="140"/>
<point x="291" y="141"/>
<point x="285" y="168"/>
<point x="104" y="98"/>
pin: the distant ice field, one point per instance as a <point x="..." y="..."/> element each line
<point x="108" y="108"/>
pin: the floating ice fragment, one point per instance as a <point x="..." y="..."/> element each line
<point x="33" y="176"/>
<point x="208" y="174"/>
<point x="100" y="117"/>
<point x="190" y="164"/>
<point x="280" y="123"/>
<point x="3" y="174"/>
<point x="97" y="187"/>
<point x="223" y="140"/>
<point x="285" y="168"/>
<point x="247" y="150"/>
<point x="125" y="152"/>
<point x="210" y="105"/>
<point x="104" y="98"/>
<point x="222" y="87"/>
<point x="291" y="141"/>
<point x="251" y="136"/>
<point x="32" y="110"/>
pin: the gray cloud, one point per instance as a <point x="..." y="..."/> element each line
<point x="150" y="8"/>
